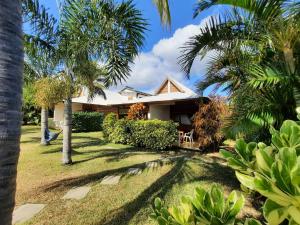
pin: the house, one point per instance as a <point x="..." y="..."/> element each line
<point x="171" y="101"/>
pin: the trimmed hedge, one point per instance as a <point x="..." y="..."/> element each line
<point x="108" y="124"/>
<point x="87" y="121"/>
<point x="151" y="134"/>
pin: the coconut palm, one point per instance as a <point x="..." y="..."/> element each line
<point x="256" y="47"/>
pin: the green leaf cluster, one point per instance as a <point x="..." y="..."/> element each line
<point x="273" y="171"/>
<point x="205" y="208"/>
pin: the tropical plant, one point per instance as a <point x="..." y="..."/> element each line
<point x="111" y="33"/>
<point x="208" y="122"/>
<point x="136" y="111"/>
<point x="255" y="48"/>
<point x="273" y="171"/>
<point x="48" y="91"/>
<point x="208" y="207"/>
<point x="31" y="113"/>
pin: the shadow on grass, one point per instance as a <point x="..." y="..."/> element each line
<point x="90" y="178"/>
<point x="159" y="188"/>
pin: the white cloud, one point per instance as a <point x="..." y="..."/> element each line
<point x="151" y="68"/>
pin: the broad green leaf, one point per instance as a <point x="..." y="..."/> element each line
<point x="246" y="180"/>
<point x="294" y="213"/>
<point x="274" y="213"/>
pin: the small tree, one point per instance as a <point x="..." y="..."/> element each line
<point x="208" y="122"/>
<point x="136" y="112"/>
<point x="48" y="91"/>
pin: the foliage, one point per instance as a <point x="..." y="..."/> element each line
<point x="121" y="132"/>
<point x="208" y="122"/>
<point x="136" y="111"/>
<point x="273" y="171"/>
<point x="108" y="124"/>
<point x="206" y="207"/>
<point x="87" y="121"/>
<point x="154" y="134"/>
<point x="151" y="134"/>
<point x="255" y="58"/>
<point x="31" y="113"/>
<point x="49" y="91"/>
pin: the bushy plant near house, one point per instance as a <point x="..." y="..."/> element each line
<point x="151" y="134"/>
<point x="87" y="121"/>
<point x="108" y="124"/>
<point x="154" y="134"/>
<point x="121" y="132"/>
<point x="205" y="208"/>
<point x="137" y="111"/>
<point x="31" y="113"/>
<point x="273" y="171"/>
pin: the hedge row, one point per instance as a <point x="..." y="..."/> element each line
<point x="87" y="121"/>
<point x="152" y="134"/>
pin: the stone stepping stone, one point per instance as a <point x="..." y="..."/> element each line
<point x="77" y="193"/>
<point x="26" y="212"/>
<point x="111" y="180"/>
<point x="134" y="171"/>
<point x="151" y="164"/>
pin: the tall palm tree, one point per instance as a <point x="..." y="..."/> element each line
<point x="11" y="71"/>
<point x="93" y="31"/>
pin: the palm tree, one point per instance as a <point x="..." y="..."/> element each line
<point x="256" y="47"/>
<point x="11" y="70"/>
<point x="96" y="31"/>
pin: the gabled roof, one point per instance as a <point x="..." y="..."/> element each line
<point x="180" y="86"/>
<point x="132" y="89"/>
<point x="115" y="98"/>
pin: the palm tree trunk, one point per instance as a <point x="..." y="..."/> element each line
<point x="67" y="132"/>
<point x="289" y="59"/>
<point x="11" y="72"/>
<point x="44" y="125"/>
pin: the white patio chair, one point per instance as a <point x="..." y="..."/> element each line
<point x="189" y="136"/>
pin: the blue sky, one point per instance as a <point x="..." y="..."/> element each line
<point x="157" y="58"/>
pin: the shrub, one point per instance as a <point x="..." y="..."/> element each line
<point x="208" y="122"/>
<point x="87" y="121"/>
<point x="121" y="133"/>
<point x="154" y="134"/>
<point x="31" y="113"/>
<point x="273" y="171"/>
<point x="206" y="207"/>
<point x="108" y="124"/>
<point x="137" y="112"/>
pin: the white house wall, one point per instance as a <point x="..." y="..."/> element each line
<point x="161" y="112"/>
<point x="59" y="110"/>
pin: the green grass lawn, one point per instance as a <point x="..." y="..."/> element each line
<point x="42" y="179"/>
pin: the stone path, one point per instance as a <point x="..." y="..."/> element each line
<point x="134" y="171"/>
<point x="77" y="193"/>
<point x="26" y="212"/>
<point x="111" y="180"/>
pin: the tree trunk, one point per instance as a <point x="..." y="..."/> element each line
<point x="289" y="59"/>
<point x="67" y="132"/>
<point x="11" y="72"/>
<point x="44" y="125"/>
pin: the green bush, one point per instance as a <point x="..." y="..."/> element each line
<point x="108" y="124"/>
<point x="205" y="208"/>
<point x="273" y="171"/>
<point x="154" y="134"/>
<point x="87" y="121"/>
<point x="121" y="132"/>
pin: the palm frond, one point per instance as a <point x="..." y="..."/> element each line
<point x="262" y="9"/>
<point x="164" y="11"/>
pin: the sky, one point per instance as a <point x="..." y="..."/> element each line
<point x="158" y="57"/>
